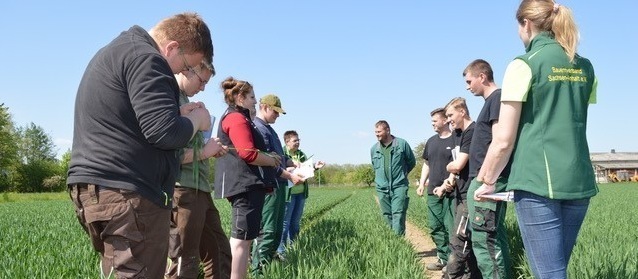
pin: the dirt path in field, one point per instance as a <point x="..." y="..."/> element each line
<point x="423" y="246"/>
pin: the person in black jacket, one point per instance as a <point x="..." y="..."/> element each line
<point x="128" y="127"/>
<point x="241" y="175"/>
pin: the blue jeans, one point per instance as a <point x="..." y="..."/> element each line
<point x="292" y="220"/>
<point x="549" y="228"/>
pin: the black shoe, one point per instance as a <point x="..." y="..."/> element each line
<point x="435" y="266"/>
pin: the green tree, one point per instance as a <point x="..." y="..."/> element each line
<point x="64" y="164"/>
<point x="328" y="173"/>
<point x="319" y="178"/>
<point x="54" y="183"/>
<point x="337" y="174"/>
<point x="37" y="169"/>
<point x="415" y="174"/>
<point x="30" y="177"/>
<point x="8" y="148"/>
<point x="364" y="174"/>
<point x="35" y="144"/>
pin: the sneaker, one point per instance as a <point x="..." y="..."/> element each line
<point x="435" y="266"/>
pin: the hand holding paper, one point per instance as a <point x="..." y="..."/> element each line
<point x="501" y="196"/>
<point x="484" y="189"/>
<point x="305" y="170"/>
<point x="296" y="179"/>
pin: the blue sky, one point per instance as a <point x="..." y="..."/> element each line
<point x="338" y="66"/>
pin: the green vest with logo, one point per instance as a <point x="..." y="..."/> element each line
<point x="551" y="155"/>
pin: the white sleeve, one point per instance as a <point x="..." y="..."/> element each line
<point x="516" y="82"/>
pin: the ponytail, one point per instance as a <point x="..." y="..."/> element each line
<point x="549" y="16"/>
<point x="565" y="30"/>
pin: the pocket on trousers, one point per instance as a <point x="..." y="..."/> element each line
<point x="111" y="205"/>
<point x="484" y="220"/>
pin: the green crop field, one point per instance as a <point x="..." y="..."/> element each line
<point x="607" y="245"/>
<point x="343" y="236"/>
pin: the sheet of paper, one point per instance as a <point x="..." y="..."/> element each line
<point x="305" y="170"/>
<point x="501" y="196"/>
<point x="455" y="152"/>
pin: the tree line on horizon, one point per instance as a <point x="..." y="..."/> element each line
<point x="27" y="158"/>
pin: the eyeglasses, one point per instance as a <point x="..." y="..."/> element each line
<point x="191" y="69"/>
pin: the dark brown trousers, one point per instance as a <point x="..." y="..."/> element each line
<point x="129" y="231"/>
<point x="197" y="234"/>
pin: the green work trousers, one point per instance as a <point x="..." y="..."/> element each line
<point x="271" y="229"/>
<point x="489" y="237"/>
<point x="440" y="222"/>
<point x="394" y="206"/>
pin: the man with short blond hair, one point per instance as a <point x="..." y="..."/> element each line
<point x="461" y="261"/>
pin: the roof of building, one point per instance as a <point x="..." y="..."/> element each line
<point x="615" y="160"/>
<point x="617" y="165"/>
<point x="614" y="156"/>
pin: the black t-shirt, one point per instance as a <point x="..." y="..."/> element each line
<point x="464" y="140"/>
<point x="482" y="137"/>
<point x="438" y="153"/>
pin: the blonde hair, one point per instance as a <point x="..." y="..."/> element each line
<point x="458" y="103"/>
<point x="547" y="15"/>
